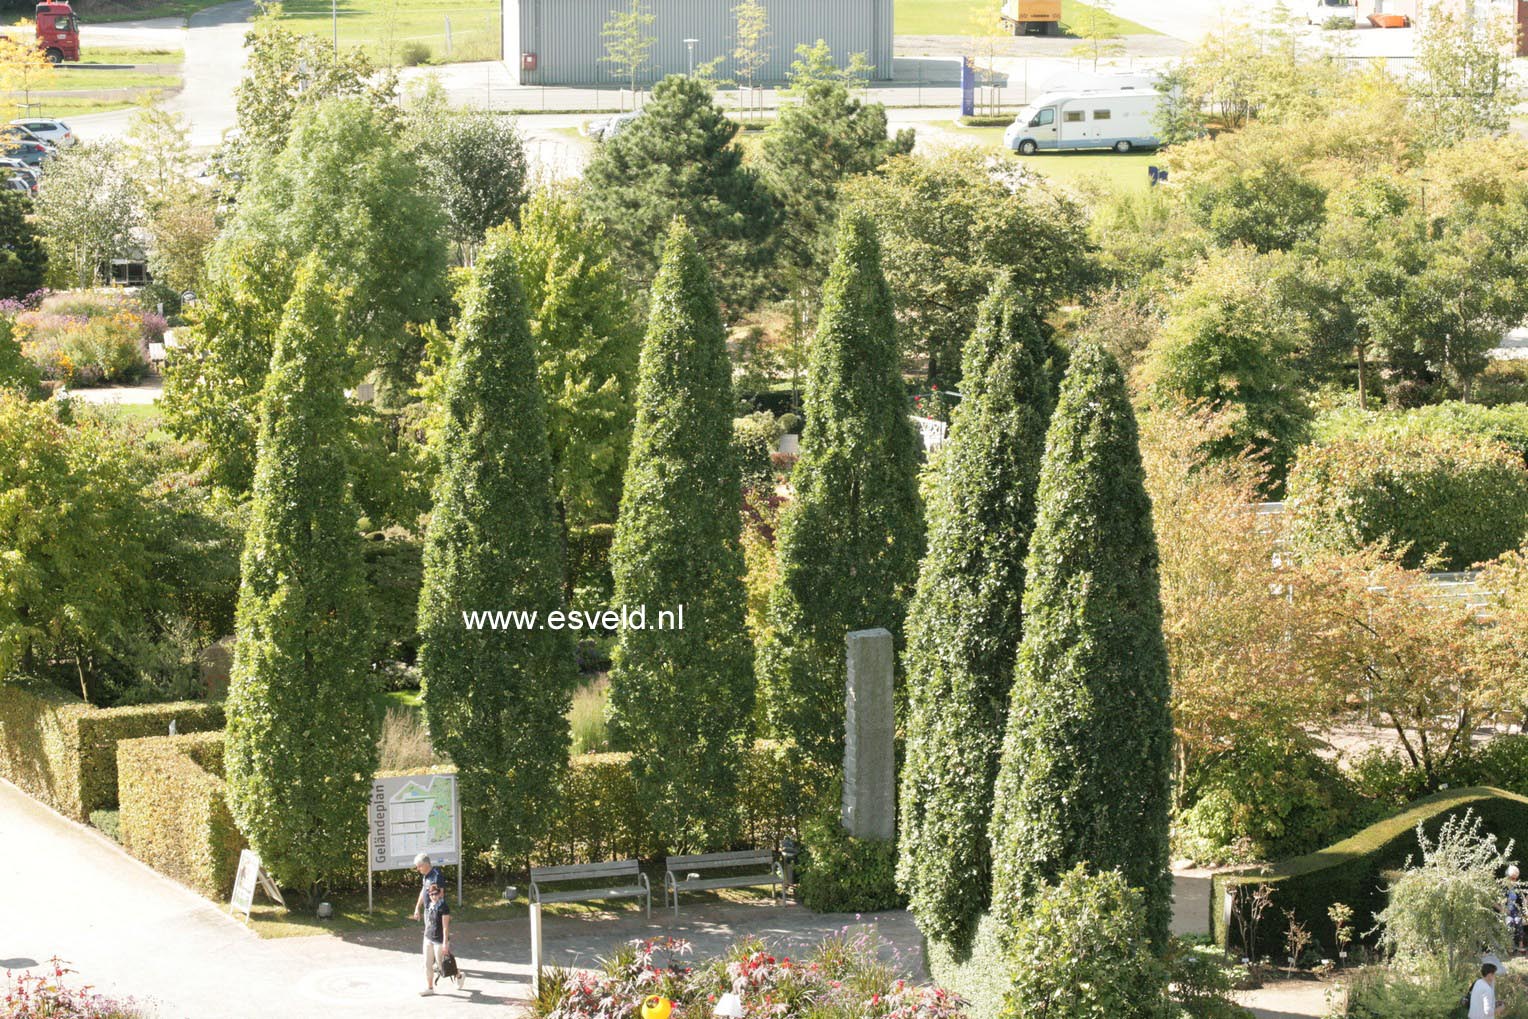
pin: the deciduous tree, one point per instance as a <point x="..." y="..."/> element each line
<point x="680" y="699"/>
<point x="964" y="622"/>
<point x="849" y="544"/>
<point x="87" y="206"/>
<point x="496" y="701"/>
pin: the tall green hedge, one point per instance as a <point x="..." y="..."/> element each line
<point x="849" y="543"/>
<point x="1085" y="773"/>
<point x="302" y="728"/>
<point x="174" y="814"/>
<point x="1464" y="499"/>
<point x="1506" y="424"/>
<point x="1355" y="871"/>
<point x="497" y="701"/>
<point x="680" y="699"/>
<point x="965" y="620"/>
<point x="63" y="752"/>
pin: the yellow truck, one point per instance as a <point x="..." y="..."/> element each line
<point x="1032" y="17"/>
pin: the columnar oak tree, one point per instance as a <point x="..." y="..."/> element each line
<point x="1085" y="773"/>
<point x="302" y="733"/>
<point x="680" y="698"/>
<point x="965" y="620"/>
<point x="496" y="700"/>
<point x="849" y="544"/>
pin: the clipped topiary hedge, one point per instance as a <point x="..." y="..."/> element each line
<point x="1507" y="424"/>
<point x="63" y="752"/>
<point x="174" y="815"/>
<point x="1462" y="498"/>
<point x="1354" y="870"/>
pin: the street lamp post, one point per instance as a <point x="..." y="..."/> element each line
<point x="691" y="44"/>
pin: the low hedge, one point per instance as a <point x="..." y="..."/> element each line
<point x="174" y="815"/>
<point x="1507" y="424"/>
<point x="1461" y="498"/>
<point x="64" y="752"/>
<point x="1354" y="871"/>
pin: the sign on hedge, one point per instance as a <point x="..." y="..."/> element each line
<point x="250" y="874"/>
<point x="413" y="814"/>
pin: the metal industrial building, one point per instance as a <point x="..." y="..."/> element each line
<point x="559" y="42"/>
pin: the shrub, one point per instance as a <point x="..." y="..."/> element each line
<point x="86" y="338"/>
<point x="1263" y="799"/>
<point x="778" y="788"/>
<point x="174" y="813"/>
<point x="839" y="873"/>
<point x="1507" y="425"/>
<point x="1083" y="950"/>
<point x="64" y="752"/>
<point x="589" y="564"/>
<point x="394" y="575"/>
<point x="16" y="371"/>
<point x="1461" y="499"/>
<point x="755" y="437"/>
<point x="1503" y="382"/>
<point x="1354" y="870"/>
<point x="598" y="816"/>
<point x="413" y="53"/>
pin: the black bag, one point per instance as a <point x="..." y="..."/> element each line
<point x="447" y="964"/>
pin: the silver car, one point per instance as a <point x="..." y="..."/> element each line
<point x="54" y="132"/>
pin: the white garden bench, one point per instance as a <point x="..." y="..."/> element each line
<point x="584" y="873"/>
<point x="749" y="859"/>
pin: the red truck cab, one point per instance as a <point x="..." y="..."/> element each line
<point x="58" y="32"/>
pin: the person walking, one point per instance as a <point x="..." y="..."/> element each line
<point x="1515" y="909"/>
<point x="437" y="937"/>
<point x="1483" y="994"/>
<point x="432" y="876"/>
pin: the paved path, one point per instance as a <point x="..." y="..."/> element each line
<point x="213" y="41"/>
<point x="131" y="931"/>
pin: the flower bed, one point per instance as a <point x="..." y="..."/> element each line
<point x="86" y="338"/>
<point x="845" y="977"/>
<point x="45" y="994"/>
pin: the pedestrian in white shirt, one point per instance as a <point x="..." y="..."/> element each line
<point x="1483" y="994"/>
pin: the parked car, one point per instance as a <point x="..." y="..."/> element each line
<point x="15" y="167"/>
<point x="1331" y="13"/>
<point x="54" y="132"/>
<point x="16" y="184"/>
<point x="31" y="153"/>
<point x="607" y="128"/>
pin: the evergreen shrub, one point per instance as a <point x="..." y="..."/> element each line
<point x="174" y="814"/>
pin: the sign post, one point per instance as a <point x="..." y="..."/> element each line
<point x="412" y="814"/>
<point x="250" y="874"/>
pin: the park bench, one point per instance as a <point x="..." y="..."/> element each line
<point x="748" y="859"/>
<point x="584" y="873"/>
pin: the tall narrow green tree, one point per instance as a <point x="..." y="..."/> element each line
<point x="965" y="620"/>
<point x="849" y="544"/>
<point x="496" y="700"/>
<point x="302" y="734"/>
<point x="1085" y="768"/>
<point x="680" y="699"/>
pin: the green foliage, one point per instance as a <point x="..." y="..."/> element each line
<point x="289" y="73"/>
<point x="496" y="700"/>
<point x="23" y="259"/>
<point x="87" y="207"/>
<point x="814" y="144"/>
<point x="1086" y="756"/>
<point x="1228" y="348"/>
<point x="949" y="224"/>
<point x="1506" y="424"/>
<point x="586" y="341"/>
<point x="1462" y="499"/>
<point x="677" y="160"/>
<point x="1261" y="199"/>
<point x="1464" y="85"/>
<point x="839" y="873"/>
<point x="629" y="41"/>
<point x="62" y="488"/>
<point x="175" y="814"/>
<point x="680" y="699"/>
<point x="1085" y="950"/>
<point x="478" y="168"/>
<point x="343" y="191"/>
<point x="1446" y="904"/>
<point x="302" y="732"/>
<point x="16" y="371"/>
<point x="755" y="437"/>
<point x="1357" y="870"/>
<point x="1378" y="992"/>
<point x="965" y="620"/>
<point x="394" y="577"/>
<point x="1264" y="799"/>
<point x="589" y="563"/>
<point x="63" y="752"/>
<point x="850" y="542"/>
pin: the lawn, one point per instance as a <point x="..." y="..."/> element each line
<point x="956" y="17"/>
<point x="136" y="11"/>
<point x="390" y="29"/>
<point x="124" y="55"/>
<point x="1127" y="172"/>
<point x="100" y="81"/>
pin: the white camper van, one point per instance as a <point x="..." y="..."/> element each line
<point x="1120" y="120"/>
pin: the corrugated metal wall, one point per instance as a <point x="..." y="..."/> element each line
<point x="565" y="36"/>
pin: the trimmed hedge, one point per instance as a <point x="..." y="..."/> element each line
<point x="174" y="814"/>
<point x="589" y="559"/>
<point x="1354" y="871"/>
<point x="63" y="752"/>
<point x="1464" y="498"/>
<point x="1507" y="424"/>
